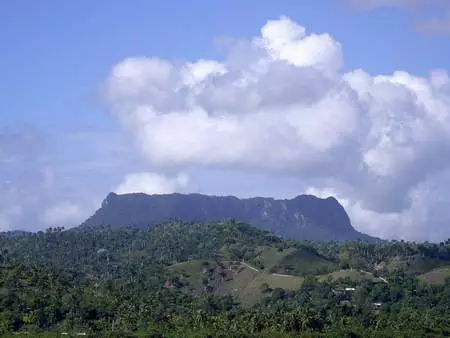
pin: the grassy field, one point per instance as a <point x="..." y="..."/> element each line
<point x="194" y="272"/>
<point x="436" y="276"/>
<point x="239" y="280"/>
<point x="192" y="267"/>
<point x="245" y="281"/>
<point x="354" y="275"/>
<point x="249" y="290"/>
<point x="303" y="262"/>
<point x="415" y="265"/>
<point x="288" y="283"/>
<point x="270" y="256"/>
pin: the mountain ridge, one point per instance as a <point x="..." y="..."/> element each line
<point x="304" y="217"/>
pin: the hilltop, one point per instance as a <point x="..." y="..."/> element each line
<point x="304" y="217"/>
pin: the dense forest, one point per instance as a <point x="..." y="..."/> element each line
<point x="226" y="279"/>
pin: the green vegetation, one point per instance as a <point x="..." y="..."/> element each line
<point x="303" y="262"/>
<point x="242" y="280"/>
<point x="353" y="275"/>
<point x="436" y="276"/>
<point x="218" y="280"/>
<point x="283" y="282"/>
<point x="271" y="256"/>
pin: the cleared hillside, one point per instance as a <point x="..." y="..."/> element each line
<point x="436" y="276"/>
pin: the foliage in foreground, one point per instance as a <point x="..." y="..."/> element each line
<point x="118" y="283"/>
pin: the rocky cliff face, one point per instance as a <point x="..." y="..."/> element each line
<point x="303" y="217"/>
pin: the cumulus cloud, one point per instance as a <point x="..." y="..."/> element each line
<point x="152" y="184"/>
<point x="280" y="105"/>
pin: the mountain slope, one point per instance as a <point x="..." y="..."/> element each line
<point x="303" y="217"/>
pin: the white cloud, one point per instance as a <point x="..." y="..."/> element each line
<point x="285" y="40"/>
<point x="152" y="183"/>
<point x="4" y="224"/>
<point x="65" y="214"/>
<point x="32" y="185"/>
<point x="279" y="104"/>
<point x="424" y="218"/>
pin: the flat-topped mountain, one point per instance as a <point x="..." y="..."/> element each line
<point x="303" y="217"/>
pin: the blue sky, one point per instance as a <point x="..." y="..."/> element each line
<point x="58" y="53"/>
<point x="57" y="57"/>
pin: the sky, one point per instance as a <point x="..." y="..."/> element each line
<point x="347" y="98"/>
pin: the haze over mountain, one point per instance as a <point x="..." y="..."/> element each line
<point x="303" y="217"/>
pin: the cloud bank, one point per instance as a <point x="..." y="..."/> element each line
<point x="280" y="105"/>
<point x="63" y="213"/>
<point x="35" y="192"/>
<point x="152" y="184"/>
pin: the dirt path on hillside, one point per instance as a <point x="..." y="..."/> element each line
<point x="282" y="275"/>
<point x="250" y="267"/>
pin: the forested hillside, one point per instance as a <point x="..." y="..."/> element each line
<point x="221" y="279"/>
